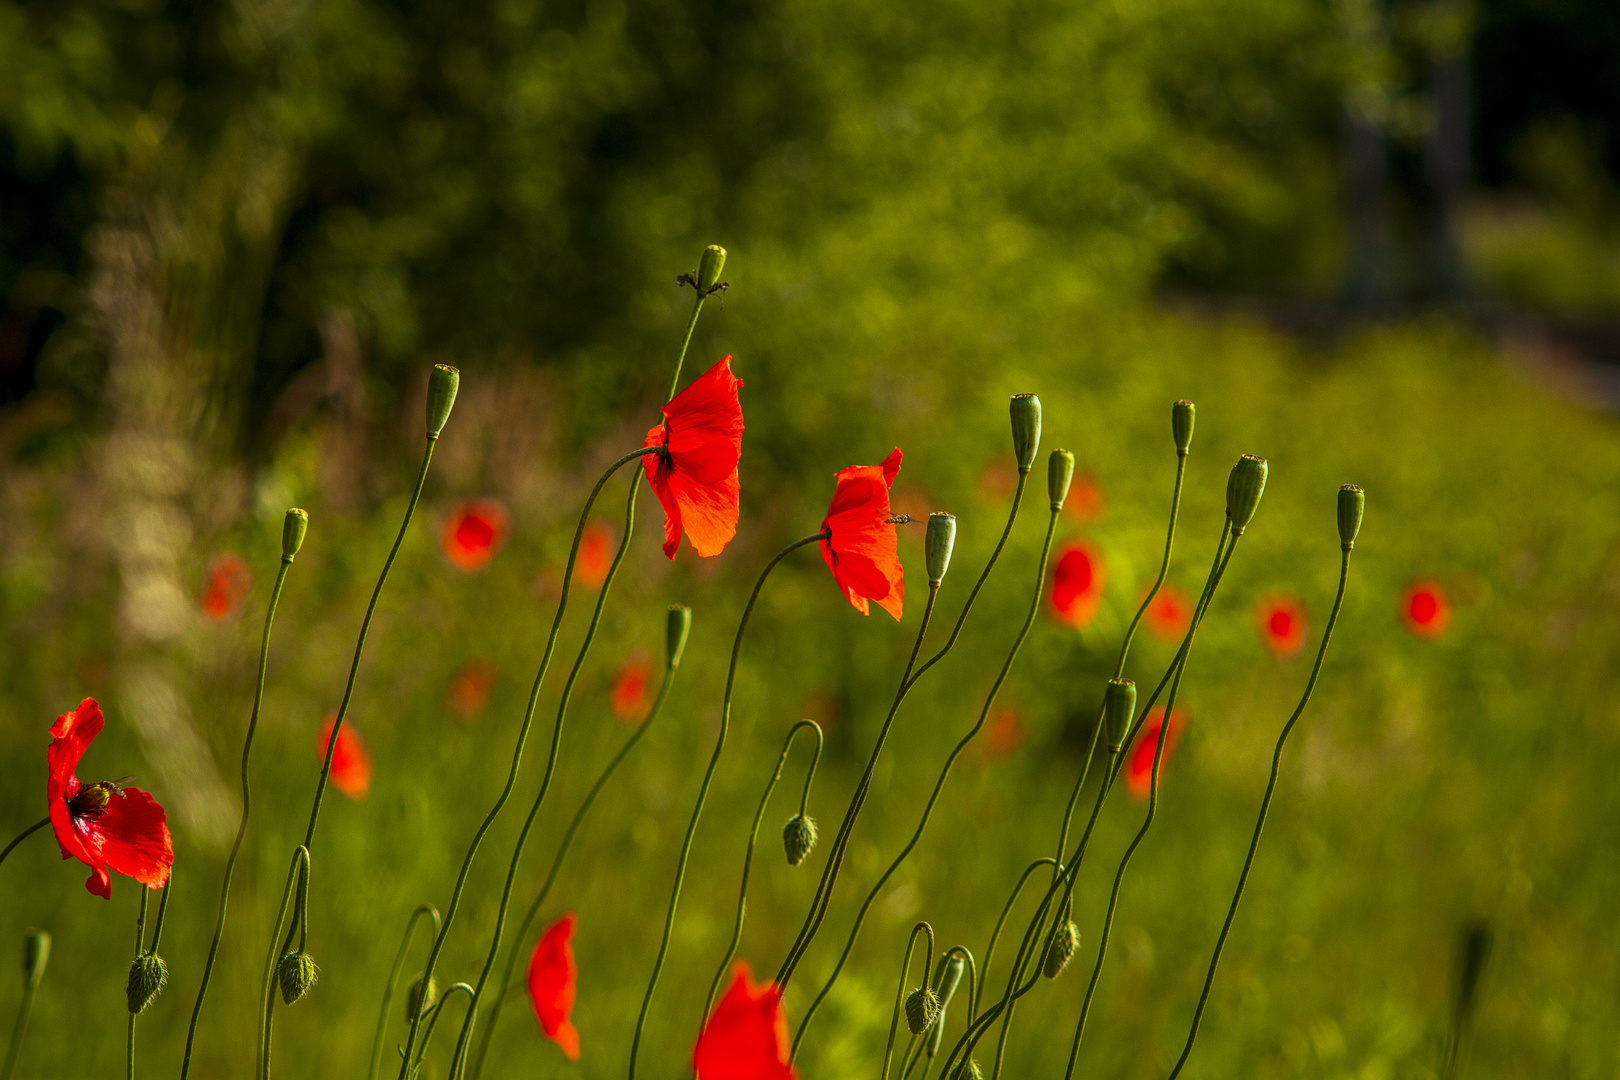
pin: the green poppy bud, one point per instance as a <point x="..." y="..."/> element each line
<point x="293" y="528"/>
<point x="941" y="539"/>
<point x="1059" y="475"/>
<point x="1062" y="948"/>
<point x="297" y="974"/>
<point x="1243" y="490"/>
<point x="417" y="1003"/>
<point x="443" y="383"/>
<point x="1352" y="502"/>
<point x="148" y="975"/>
<point x="967" y="1069"/>
<point x="1181" y="425"/>
<point x="799" y="838"/>
<point x="36" y="953"/>
<point x="947" y="976"/>
<point x="1119" y="708"/>
<point x="709" y="267"/>
<point x="679" y="625"/>
<point x="1026" y="429"/>
<point x="921" y="1009"/>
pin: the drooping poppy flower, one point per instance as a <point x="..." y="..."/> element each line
<point x="1170" y="613"/>
<point x="474" y="532"/>
<point x="1085" y="503"/>
<point x="860" y="547"/>
<point x="351" y="761"/>
<point x="595" y="555"/>
<point x="1425" y="608"/>
<point x="1078" y="577"/>
<point x="695" y="478"/>
<point x="1003" y="735"/>
<point x="1139" y="766"/>
<point x="552" y="978"/>
<point x="106" y="826"/>
<point x="470" y="687"/>
<point x="746" y="1036"/>
<point x="228" y="583"/>
<point x="630" y="689"/>
<point x="1282" y="624"/>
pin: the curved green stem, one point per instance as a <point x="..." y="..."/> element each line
<point x="393" y="982"/>
<point x="23" y="1011"/>
<point x="1006" y="909"/>
<point x="691" y="324"/>
<point x="25" y="834"/>
<point x="140" y="950"/>
<point x="433" y="1021"/>
<point x="900" y="992"/>
<point x="267" y="998"/>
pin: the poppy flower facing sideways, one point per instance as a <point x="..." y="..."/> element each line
<point x="470" y="687"/>
<point x="860" y="547"/>
<point x="473" y="533"/>
<point x="746" y="1037"/>
<point x="595" y="556"/>
<point x="229" y="581"/>
<point x="351" y="761"/>
<point x="552" y="984"/>
<point x="1282" y="625"/>
<point x="695" y="478"/>
<point x="1169" y="615"/>
<point x="105" y="826"/>
<point x="1425" y="609"/>
<point x="1078" y="577"/>
<point x="1139" y="766"/>
<point x="630" y="689"/>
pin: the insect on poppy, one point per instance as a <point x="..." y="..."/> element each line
<point x="351" y="761"/>
<point x="695" y="477"/>
<point x="746" y="1036"/>
<point x="1425" y="609"/>
<point x="1139" y="766"/>
<point x="1282" y="624"/>
<point x="229" y="581"/>
<point x="553" y="975"/>
<point x="473" y="533"/>
<point x="1078" y="577"/>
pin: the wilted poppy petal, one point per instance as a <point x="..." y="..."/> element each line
<point x="351" y="761"/>
<point x="553" y="977"/>
<point x="746" y="1036"/>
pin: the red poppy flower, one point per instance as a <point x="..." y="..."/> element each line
<point x="860" y="547"/>
<point x="595" y="556"/>
<point x="746" y="1037"/>
<point x="474" y="532"/>
<point x="1282" y="624"/>
<point x="1139" y="766"/>
<point x="1078" y="577"/>
<point x="1425" y="608"/>
<point x="470" y="687"/>
<point x="552" y="978"/>
<point x="1170" y="613"/>
<point x="105" y="826"/>
<point x="1003" y="735"/>
<point x="695" y="478"/>
<point x="229" y="581"/>
<point x="630" y="689"/>
<point x="351" y="762"/>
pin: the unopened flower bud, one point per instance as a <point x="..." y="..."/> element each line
<point x="1119" y="708"/>
<point x="921" y="1009"/>
<point x="1059" y="475"/>
<point x="709" y="267"/>
<point x="1026" y="429"/>
<point x="296" y="973"/>
<point x="443" y="383"/>
<point x="1181" y="425"/>
<point x="1061" y="949"/>
<point x="36" y="953"/>
<point x="679" y="625"/>
<point x="417" y="1003"/>
<point x="148" y="975"/>
<point x="941" y="539"/>
<point x="967" y="1069"/>
<point x="1243" y="490"/>
<point x="1352" y="502"/>
<point x="947" y="976"/>
<point x="293" y="528"/>
<point x="799" y="838"/>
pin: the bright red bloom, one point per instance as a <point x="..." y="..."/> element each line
<point x="1282" y="624"/>
<point x="695" y="478"/>
<point x="229" y="581"/>
<point x="595" y="556"/>
<point x="351" y="761"/>
<point x="746" y="1037"/>
<point x="1139" y="766"/>
<point x="1170" y="613"/>
<point x="474" y="532"/>
<point x="1078" y="577"/>
<point x="630" y="688"/>
<point x="552" y="978"/>
<point x="470" y="687"/>
<point x="105" y="826"/>
<point x="1425" y="608"/>
<point x="860" y="547"/>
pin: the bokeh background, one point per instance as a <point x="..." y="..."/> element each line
<point x="1374" y="240"/>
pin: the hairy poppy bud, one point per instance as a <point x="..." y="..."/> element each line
<point x="443" y="383"/>
<point x="680" y="624"/>
<point x="296" y="973"/>
<point x="967" y="1069"/>
<point x="947" y="976"/>
<point x="799" y="838"/>
<point x="921" y="1009"/>
<point x="417" y="1002"/>
<point x="1352" y="502"/>
<point x="1059" y="475"/>
<point x="293" y="528"/>
<point x="36" y="952"/>
<point x="1026" y="429"/>
<point x="1181" y="425"/>
<point x="1119" y="707"/>
<point x="941" y="539"/>
<point x="709" y="267"/>
<point x="148" y="975"/>
<point x="1062" y="947"/>
<point x="1243" y="490"/>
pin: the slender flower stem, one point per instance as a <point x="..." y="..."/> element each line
<point x="241" y="828"/>
<point x="433" y="1022"/>
<point x="900" y="992"/>
<point x="1260" y="819"/>
<point x="267" y="998"/>
<point x="30" y="987"/>
<point x="140" y="950"/>
<point x="703" y="792"/>
<point x="393" y="981"/>
<point x="20" y="837"/>
<point x="1006" y="909"/>
<point x="691" y="324"/>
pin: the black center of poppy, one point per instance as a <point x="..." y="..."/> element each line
<point x="91" y="801"/>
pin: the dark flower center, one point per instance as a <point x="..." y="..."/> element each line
<point x="91" y="801"/>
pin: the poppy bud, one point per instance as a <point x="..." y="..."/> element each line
<point x="947" y="976"/>
<point x="967" y="1069"/>
<point x="921" y="1009"/>
<point x="709" y="267"/>
<point x="36" y="951"/>
<point x="1119" y="707"/>
<point x="941" y="539"/>
<point x="1352" y="502"/>
<point x="799" y="838"/>
<point x="443" y="383"/>
<point x="296" y="973"/>
<point x="418" y="1003"/>
<point x="1059" y="474"/>
<point x="1026" y="429"/>
<point x="293" y="528"/>
<point x="148" y="975"/>
<point x="1062" y="947"/>
<point x="1181" y="425"/>
<point x="1243" y="490"/>
<point x="679" y="625"/>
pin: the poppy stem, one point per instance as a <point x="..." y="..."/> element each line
<point x="1006" y="909"/>
<point x="1260" y="819"/>
<point x="393" y="982"/>
<point x="433" y="1021"/>
<point x="680" y="359"/>
<point x="900" y="991"/>
<point x="140" y="950"/>
<point x="20" y="837"/>
<point x="26" y="1007"/>
<point x="703" y="791"/>
<point x="267" y="999"/>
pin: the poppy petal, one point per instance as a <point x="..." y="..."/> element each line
<point x="746" y="1036"/>
<point x="135" y="839"/>
<point x="553" y="978"/>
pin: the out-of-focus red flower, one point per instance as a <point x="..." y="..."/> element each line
<point x="229" y="581"/>
<point x="997" y="482"/>
<point x="860" y="549"/>
<point x="1078" y="577"/>
<point x="1282" y="624"/>
<point x="474" y="532"/>
<point x="695" y="478"/>
<point x="1004" y="734"/>
<point x="1085" y="503"/>
<point x="470" y="687"/>
<point x="106" y="826"/>
<point x="746" y="1037"/>
<point x="1426" y="609"/>
<point x="351" y="761"/>
<point x="1170" y="613"/>
<point x="1139" y="766"/>
<point x="630" y="689"/>
<point x="595" y="555"/>
<point x="552" y="978"/>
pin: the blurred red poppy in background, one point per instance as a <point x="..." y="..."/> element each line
<point x="1078" y="577"/>
<point x="470" y="687"/>
<point x="351" y="761"/>
<point x="1085" y="502"/>
<point x="553" y="975"/>
<point x="1170" y="613"/>
<point x="860" y="549"/>
<point x="1282" y="624"/>
<point x="474" y="532"/>
<point x="228" y="582"/>
<point x="1426" y="609"/>
<point x="1139" y="766"/>
<point x="630" y="689"/>
<point x="746" y="1037"/>
<point x="695" y="478"/>
<point x="595" y="555"/>
<point x="1004" y="734"/>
